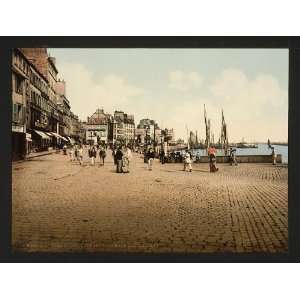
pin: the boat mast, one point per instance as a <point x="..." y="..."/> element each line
<point x="224" y="136"/>
<point x="207" y="129"/>
<point x="187" y="135"/>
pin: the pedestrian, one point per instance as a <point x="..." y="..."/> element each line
<point x="150" y="157"/>
<point x="80" y="154"/>
<point x="212" y="160"/>
<point x="102" y="155"/>
<point x="76" y="154"/>
<point x="232" y="157"/>
<point x="71" y="154"/>
<point x="126" y="159"/>
<point x="65" y="150"/>
<point x="162" y="156"/>
<point x="114" y="151"/>
<point x="146" y="155"/>
<point x="119" y="156"/>
<point x="187" y="161"/>
<point x="92" y="154"/>
<point x="274" y="156"/>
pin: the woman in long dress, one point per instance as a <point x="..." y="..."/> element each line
<point x="126" y="159"/>
<point x="212" y="160"/>
<point x="187" y="161"/>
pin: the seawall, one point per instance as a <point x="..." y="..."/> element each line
<point x="244" y="159"/>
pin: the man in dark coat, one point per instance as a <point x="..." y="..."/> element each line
<point x="118" y="157"/>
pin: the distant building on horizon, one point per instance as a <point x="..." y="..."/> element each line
<point x="123" y="128"/>
<point x="110" y="129"/>
<point x="98" y="127"/>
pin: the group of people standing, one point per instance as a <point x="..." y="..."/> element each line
<point x="122" y="156"/>
<point x="92" y="152"/>
<point x="76" y="153"/>
<point x="187" y="159"/>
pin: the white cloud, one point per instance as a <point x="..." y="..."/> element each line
<point x="184" y="81"/>
<point x="256" y="109"/>
<point x="87" y="93"/>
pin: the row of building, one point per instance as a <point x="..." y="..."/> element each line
<point x="119" y="128"/>
<point x="42" y="116"/>
<point x="110" y="129"/>
<point x="41" y="112"/>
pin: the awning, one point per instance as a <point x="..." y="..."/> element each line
<point x="42" y="135"/>
<point x="72" y="141"/>
<point x="56" y="135"/>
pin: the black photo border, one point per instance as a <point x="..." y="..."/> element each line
<point x="290" y="43"/>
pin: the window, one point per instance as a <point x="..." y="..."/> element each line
<point x="18" y="84"/>
<point x="33" y="97"/>
<point x="18" y="112"/>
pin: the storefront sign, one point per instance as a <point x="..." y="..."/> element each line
<point x="97" y="127"/>
<point x="17" y="128"/>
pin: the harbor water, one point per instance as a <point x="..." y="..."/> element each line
<point x="262" y="149"/>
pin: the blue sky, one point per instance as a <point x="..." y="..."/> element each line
<point x="172" y="85"/>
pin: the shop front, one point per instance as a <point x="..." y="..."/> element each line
<point x="59" y="140"/>
<point x="41" y="141"/>
<point x="18" y="145"/>
<point x="28" y="143"/>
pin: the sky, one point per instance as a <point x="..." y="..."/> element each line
<point x="171" y="86"/>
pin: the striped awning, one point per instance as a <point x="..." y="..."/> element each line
<point x="56" y="135"/>
<point x="42" y="134"/>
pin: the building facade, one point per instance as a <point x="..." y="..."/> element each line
<point x="123" y="128"/>
<point x="41" y="113"/>
<point x="147" y="133"/>
<point x="20" y="75"/>
<point x="65" y="108"/>
<point x="98" y="127"/>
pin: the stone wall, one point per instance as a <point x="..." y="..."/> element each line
<point x="244" y="159"/>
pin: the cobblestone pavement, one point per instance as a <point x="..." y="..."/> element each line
<point x="62" y="206"/>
